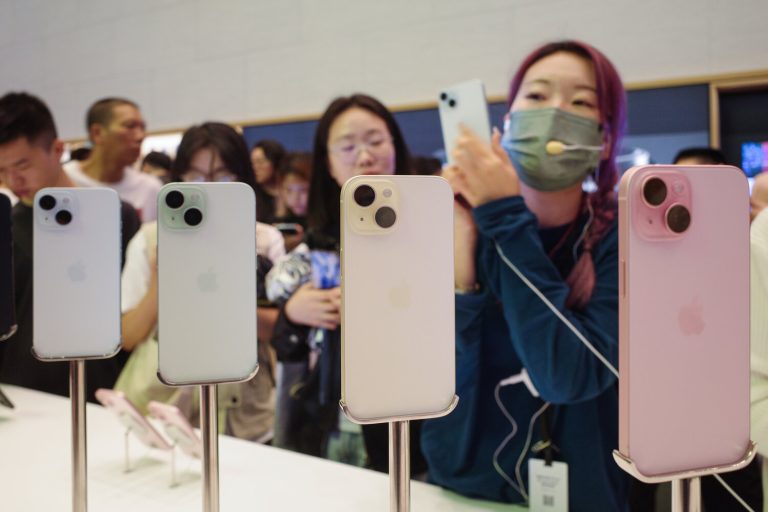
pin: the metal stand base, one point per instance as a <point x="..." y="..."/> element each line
<point x="686" y="485"/>
<point x="210" y="428"/>
<point x="79" y="451"/>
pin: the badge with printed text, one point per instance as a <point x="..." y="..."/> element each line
<point x="548" y="486"/>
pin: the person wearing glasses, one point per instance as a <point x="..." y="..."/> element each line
<point x="356" y="135"/>
<point x="210" y="152"/>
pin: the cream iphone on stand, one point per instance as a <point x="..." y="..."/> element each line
<point x="76" y="265"/>
<point x="684" y="317"/>
<point x="206" y="257"/>
<point x="463" y="104"/>
<point x="397" y="328"/>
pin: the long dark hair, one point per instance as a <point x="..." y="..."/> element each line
<point x="324" y="192"/>
<point x="225" y="141"/>
<point x="275" y="153"/>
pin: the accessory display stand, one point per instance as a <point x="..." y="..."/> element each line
<point x="686" y="485"/>
<point x="127" y="456"/>
<point x="399" y="452"/>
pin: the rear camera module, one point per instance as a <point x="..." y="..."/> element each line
<point x="47" y="202"/>
<point x="678" y="218"/>
<point x="193" y="216"/>
<point x="365" y="195"/>
<point x="385" y="217"/>
<point x="63" y="217"/>
<point x="174" y="199"/>
<point x="654" y="191"/>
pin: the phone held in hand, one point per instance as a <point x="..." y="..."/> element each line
<point x="463" y="104"/>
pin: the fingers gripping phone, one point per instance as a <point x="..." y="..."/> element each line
<point x="177" y="428"/>
<point x="7" y="298"/>
<point x="397" y="297"/>
<point x="684" y="317"/>
<point x="463" y="104"/>
<point x="76" y="266"/>
<point x="131" y="418"/>
<point x="206" y="258"/>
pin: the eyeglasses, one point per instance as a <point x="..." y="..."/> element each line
<point x="348" y="152"/>
<point x="201" y="177"/>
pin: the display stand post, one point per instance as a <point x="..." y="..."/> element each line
<point x="686" y="495"/>
<point x="210" y="428"/>
<point x="79" y="452"/>
<point x="686" y="485"/>
<point x="399" y="452"/>
<point x="399" y="466"/>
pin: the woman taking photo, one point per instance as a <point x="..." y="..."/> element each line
<point x="532" y="248"/>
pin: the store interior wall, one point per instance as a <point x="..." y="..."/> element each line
<point x="185" y="61"/>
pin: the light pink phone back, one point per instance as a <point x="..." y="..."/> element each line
<point x="684" y="326"/>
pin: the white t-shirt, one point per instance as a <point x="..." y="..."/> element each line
<point x="136" y="188"/>
<point x="136" y="273"/>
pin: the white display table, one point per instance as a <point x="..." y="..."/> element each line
<point x="35" y="471"/>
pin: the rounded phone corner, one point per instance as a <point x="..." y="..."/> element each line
<point x="165" y="381"/>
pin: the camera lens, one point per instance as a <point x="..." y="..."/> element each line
<point x="47" y="202"/>
<point x="63" y="217"/>
<point x="654" y="191"/>
<point x="364" y="195"/>
<point x="678" y="218"/>
<point x="452" y="102"/>
<point x="443" y="96"/>
<point x="385" y="217"/>
<point x="174" y="199"/>
<point x="193" y="216"/>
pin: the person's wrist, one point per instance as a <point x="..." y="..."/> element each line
<point x="466" y="289"/>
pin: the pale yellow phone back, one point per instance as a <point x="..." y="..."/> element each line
<point x="398" y="356"/>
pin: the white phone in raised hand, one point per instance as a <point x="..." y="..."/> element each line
<point x="76" y="265"/>
<point x="463" y="104"/>
<point x="397" y="321"/>
<point x="206" y="258"/>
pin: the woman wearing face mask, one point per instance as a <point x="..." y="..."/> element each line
<point x="356" y="135"/>
<point x="210" y="152"/>
<point x="527" y="208"/>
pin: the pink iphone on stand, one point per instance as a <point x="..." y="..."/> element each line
<point x="131" y="418"/>
<point x="178" y="428"/>
<point x="684" y="317"/>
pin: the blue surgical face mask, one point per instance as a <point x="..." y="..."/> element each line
<point x="552" y="149"/>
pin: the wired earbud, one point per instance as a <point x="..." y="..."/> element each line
<point x="555" y="147"/>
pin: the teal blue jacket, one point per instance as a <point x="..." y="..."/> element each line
<point x="506" y="327"/>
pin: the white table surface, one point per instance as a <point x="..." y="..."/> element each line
<point x="35" y="471"/>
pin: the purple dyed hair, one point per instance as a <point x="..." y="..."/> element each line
<point x="612" y="106"/>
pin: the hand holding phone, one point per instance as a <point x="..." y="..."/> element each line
<point x="178" y="428"/>
<point x="463" y="104"/>
<point x="131" y="418"/>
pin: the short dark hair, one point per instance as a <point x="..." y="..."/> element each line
<point x="24" y="115"/>
<point x="80" y="154"/>
<point x="101" y="111"/>
<point x="224" y="140"/>
<point x="297" y="164"/>
<point x="707" y="155"/>
<point x="158" y="159"/>
<point x="273" y="150"/>
<point x="324" y="192"/>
